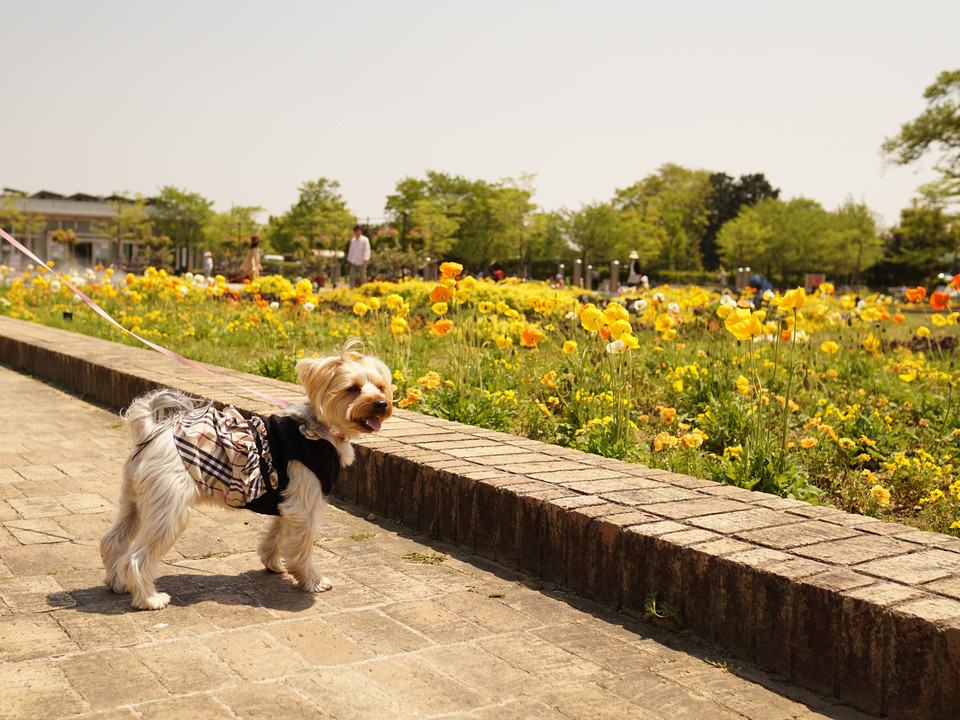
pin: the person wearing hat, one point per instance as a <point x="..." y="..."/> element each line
<point x="208" y="263"/>
<point x="633" y="277"/>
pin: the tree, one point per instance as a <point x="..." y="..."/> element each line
<point x="675" y="198"/>
<point x="224" y="232"/>
<point x="727" y="197"/>
<point x="512" y="213"/>
<point x="320" y="215"/>
<point x="181" y="216"/>
<point x="131" y="223"/>
<point x="17" y="222"/>
<point x="924" y="243"/>
<point x="781" y="240"/>
<point x="854" y="243"/>
<point x="936" y="129"/>
<point x="597" y="232"/>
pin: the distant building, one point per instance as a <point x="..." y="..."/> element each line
<point x="76" y="212"/>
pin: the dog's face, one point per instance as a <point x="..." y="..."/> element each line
<point x="351" y="393"/>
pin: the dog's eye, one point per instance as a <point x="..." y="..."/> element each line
<point x="354" y="389"/>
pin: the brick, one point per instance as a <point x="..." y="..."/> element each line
<point x="682" y="509"/>
<point x="792" y="536"/>
<point x="739" y="521"/>
<point x="647" y="496"/>
<point x="855" y="550"/>
<point x="920" y="567"/>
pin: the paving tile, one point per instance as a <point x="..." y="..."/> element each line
<point x="108" y="678"/>
<point x="37" y="690"/>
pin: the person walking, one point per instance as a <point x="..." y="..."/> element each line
<point x="208" y="263"/>
<point x="633" y="277"/>
<point x="358" y="256"/>
<point x="251" y="266"/>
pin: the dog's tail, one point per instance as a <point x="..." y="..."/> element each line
<point x="149" y="413"/>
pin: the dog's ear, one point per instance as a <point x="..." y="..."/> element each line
<point x="315" y="374"/>
<point x="381" y="368"/>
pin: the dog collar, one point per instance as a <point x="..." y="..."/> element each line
<point x="338" y="435"/>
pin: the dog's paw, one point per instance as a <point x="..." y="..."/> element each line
<point x="157" y="601"/>
<point x="316" y="585"/>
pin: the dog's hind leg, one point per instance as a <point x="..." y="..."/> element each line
<point x="270" y="543"/>
<point x="163" y="518"/>
<point x="118" y="538"/>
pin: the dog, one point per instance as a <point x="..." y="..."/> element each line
<point x="187" y="453"/>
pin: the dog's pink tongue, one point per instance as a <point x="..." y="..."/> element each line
<point x="374" y="423"/>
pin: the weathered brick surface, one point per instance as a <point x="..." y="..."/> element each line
<point x="841" y="604"/>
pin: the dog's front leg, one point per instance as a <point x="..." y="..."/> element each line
<point x="298" y="553"/>
<point x="300" y="518"/>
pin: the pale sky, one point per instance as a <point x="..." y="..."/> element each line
<point x="242" y="102"/>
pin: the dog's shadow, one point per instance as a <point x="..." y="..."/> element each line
<point x="253" y="589"/>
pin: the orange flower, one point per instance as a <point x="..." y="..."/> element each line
<point x="530" y="336"/>
<point x="916" y="294"/>
<point x="939" y="300"/>
<point x="442" y="327"/>
<point x="450" y="270"/>
<point x="955" y="282"/>
<point x="441" y="293"/>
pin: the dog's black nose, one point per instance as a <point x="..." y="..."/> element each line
<point x="380" y="406"/>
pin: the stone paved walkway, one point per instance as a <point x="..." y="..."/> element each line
<point x="410" y="630"/>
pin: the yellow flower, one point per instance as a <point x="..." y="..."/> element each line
<point x="733" y="451"/>
<point x="793" y="300"/>
<point x="743" y="324"/>
<point x="829" y="347"/>
<point x="590" y="318"/>
<point x="504" y="342"/>
<point x="398" y="326"/>
<point x="881" y="493"/>
<point x="923" y="331"/>
<point x="743" y="385"/>
<point x="618" y="328"/>
<point x="664" y="322"/>
<point x="826" y="288"/>
<point x="440" y="308"/>
<point x="373" y="303"/>
<point x="808" y="442"/>
<point x="360" y="309"/>
<point x="394" y="301"/>
<point x="938" y="320"/>
<point x="486" y="307"/>
<point x="724" y="310"/>
<point x="908" y="377"/>
<point x="669" y="334"/>
<point x="614" y="312"/>
<point x="569" y="347"/>
<point x="871" y="343"/>
<point x="692" y="440"/>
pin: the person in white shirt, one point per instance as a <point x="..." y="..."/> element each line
<point x="358" y="256"/>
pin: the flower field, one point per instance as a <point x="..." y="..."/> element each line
<point x="830" y="398"/>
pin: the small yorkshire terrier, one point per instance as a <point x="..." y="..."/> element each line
<point x="187" y="453"/>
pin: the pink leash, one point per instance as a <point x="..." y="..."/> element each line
<point x="162" y="350"/>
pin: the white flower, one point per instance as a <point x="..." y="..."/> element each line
<point x="639" y="306"/>
<point x="728" y="300"/>
<point x="769" y="295"/>
<point x="802" y="336"/>
<point x="183" y="289"/>
<point x="76" y="298"/>
<point x="308" y="306"/>
<point x="617" y="346"/>
<point x="55" y="286"/>
<point x="188" y="276"/>
<point x="274" y="305"/>
<point x="673" y="308"/>
<point x="659" y="297"/>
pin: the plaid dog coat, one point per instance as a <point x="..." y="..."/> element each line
<point x="244" y="462"/>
